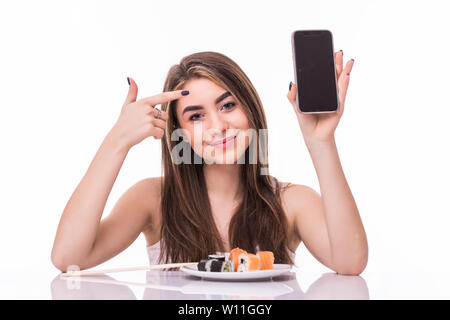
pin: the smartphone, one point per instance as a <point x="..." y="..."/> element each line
<point x="314" y="71"/>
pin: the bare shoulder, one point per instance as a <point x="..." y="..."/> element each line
<point x="299" y="189"/>
<point x="152" y="184"/>
<point x="132" y="214"/>
<point x="295" y="199"/>
<point x="149" y="191"/>
<point x="300" y="202"/>
<point x="305" y="209"/>
<point x="300" y="197"/>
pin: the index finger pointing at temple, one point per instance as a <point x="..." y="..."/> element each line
<point x="165" y="97"/>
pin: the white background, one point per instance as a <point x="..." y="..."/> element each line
<point x="63" y="69"/>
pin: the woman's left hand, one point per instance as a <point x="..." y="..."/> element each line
<point x="320" y="127"/>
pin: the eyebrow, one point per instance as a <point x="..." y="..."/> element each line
<point x="193" y="108"/>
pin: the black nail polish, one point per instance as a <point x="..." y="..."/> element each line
<point x="128" y="79"/>
<point x="185" y="92"/>
<point x="341" y="51"/>
<point x="353" y="60"/>
<point x="290" y="85"/>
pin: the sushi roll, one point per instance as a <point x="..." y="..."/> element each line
<point x="221" y="266"/>
<point x="266" y="260"/>
<point x="227" y="266"/>
<point x="234" y="257"/>
<point x="214" y="265"/>
<point x="205" y="264"/>
<point x="248" y="262"/>
<point x="201" y="266"/>
<point x="219" y="257"/>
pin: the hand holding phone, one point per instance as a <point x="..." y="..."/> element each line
<point x="318" y="95"/>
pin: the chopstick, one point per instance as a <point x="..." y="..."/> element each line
<point x="73" y="273"/>
<point x="128" y="283"/>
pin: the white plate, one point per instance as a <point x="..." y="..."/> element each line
<point x="249" y="275"/>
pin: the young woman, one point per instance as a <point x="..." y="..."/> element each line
<point x="210" y="200"/>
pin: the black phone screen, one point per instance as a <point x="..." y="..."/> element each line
<point x="315" y="71"/>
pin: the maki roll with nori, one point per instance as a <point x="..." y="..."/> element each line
<point x="201" y="266"/>
<point x="205" y="264"/>
<point x="219" y="257"/>
<point x="214" y="265"/>
<point x="221" y="266"/>
<point x="227" y="266"/>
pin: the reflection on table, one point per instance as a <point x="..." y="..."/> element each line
<point x="176" y="285"/>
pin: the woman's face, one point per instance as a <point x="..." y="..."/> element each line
<point x="209" y="114"/>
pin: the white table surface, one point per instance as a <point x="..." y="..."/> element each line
<point x="177" y="285"/>
<point x="47" y="284"/>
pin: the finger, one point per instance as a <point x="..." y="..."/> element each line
<point x="345" y="73"/>
<point x="343" y="86"/>
<point x="292" y="93"/>
<point x="292" y="97"/>
<point x="154" y="112"/>
<point x="132" y="92"/>
<point x="159" y="123"/>
<point x="338" y="59"/>
<point x="349" y="66"/>
<point x="158" y="133"/>
<point x="165" y="97"/>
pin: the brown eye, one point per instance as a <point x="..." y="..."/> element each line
<point x="229" y="104"/>
<point x="193" y="117"/>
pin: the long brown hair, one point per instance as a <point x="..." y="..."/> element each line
<point x="188" y="230"/>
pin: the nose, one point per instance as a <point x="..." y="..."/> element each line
<point x="217" y="126"/>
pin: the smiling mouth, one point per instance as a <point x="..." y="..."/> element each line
<point x="220" y="142"/>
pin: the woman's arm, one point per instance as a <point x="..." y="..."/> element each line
<point x="80" y="219"/>
<point x="329" y="225"/>
<point x="346" y="235"/>
<point x="80" y="238"/>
